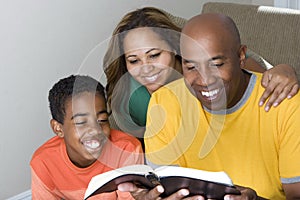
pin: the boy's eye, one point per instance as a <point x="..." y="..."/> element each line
<point x="80" y="122"/>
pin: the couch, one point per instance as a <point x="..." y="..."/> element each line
<point x="272" y="33"/>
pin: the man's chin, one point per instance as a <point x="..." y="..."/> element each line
<point x="214" y="106"/>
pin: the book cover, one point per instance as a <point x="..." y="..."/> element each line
<point x="212" y="185"/>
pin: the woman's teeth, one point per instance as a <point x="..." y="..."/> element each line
<point x="151" y="78"/>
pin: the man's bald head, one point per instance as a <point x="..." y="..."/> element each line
<point x="212" y="57"/>
<point x="215" y="25"/>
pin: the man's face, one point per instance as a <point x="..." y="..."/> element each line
<point x="211" y="67"/>
<point x="86" y="128"/>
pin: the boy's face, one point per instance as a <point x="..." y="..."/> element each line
<point x="86" y="128"/>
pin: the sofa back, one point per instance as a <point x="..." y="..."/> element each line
<point x="273" y="33"/>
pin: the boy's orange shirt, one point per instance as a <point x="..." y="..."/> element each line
<point x="54" y="176"/>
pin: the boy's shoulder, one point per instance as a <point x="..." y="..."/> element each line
<point x="48" y="153"/>
<point x="121" y="138"/>
<point x="50" y="146"/>
<point x="117" y="135"/>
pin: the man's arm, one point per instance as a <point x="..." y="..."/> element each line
<point x="292" y="190"/>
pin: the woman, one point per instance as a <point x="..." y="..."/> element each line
<point x="146" y="45"/>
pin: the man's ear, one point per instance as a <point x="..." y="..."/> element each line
<point x="242" y="55"/>
<point x="57" y="128"/>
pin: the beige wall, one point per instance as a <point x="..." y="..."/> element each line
<point x="263" y="2"/>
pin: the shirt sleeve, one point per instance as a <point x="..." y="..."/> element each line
<point x="39" y="190"/>
<point x="289" y="140"/>
<point x="162" y="135"/>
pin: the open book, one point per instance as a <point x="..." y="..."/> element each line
<point x="212" y="185"/>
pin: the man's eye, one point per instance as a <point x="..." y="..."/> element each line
<point x="190" y="67"/>
<point x="216" y="64"/>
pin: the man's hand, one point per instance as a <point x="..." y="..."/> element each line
<point x="144" y="194"/>
<point x="246" y="194"/>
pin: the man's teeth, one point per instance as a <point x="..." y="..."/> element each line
<point x="210" y="93"/>
<point x="92" y="144"/>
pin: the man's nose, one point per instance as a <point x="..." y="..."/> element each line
<point x="205" y="77"/>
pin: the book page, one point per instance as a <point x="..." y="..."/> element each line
<point x="216" y="177"/>
<point x="103" y="178"/>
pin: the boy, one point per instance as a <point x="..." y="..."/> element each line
<point x="84" y="145"/>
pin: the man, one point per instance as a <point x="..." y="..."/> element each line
<point x="210" y="119"/>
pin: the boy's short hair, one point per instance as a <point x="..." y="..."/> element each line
<point x="65" y="88"/>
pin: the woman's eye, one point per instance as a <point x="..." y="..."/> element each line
<point x="102" y="121"/>
<point x="133" y="61"/>
<point x="155" y="55"/>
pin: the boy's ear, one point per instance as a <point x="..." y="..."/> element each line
<point x="57" y="128"/>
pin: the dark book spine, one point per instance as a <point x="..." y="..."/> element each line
<point x="153" y="178"/>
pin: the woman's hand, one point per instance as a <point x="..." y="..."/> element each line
<point x="280" y="82"/>
<point x="145" y="194"/>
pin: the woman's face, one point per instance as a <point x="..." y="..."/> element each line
<point x="149" y="58"/>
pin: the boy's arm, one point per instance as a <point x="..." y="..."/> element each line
<point x="39" y="190"/>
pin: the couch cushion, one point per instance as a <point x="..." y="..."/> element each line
<point x="271" y="32"/>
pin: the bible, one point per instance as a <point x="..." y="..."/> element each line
<point x="212" y="185"/>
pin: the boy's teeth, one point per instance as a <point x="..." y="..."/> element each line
<point x="210" y="93"/>
<point x="92" y="144"/>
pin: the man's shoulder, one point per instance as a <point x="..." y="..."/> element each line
<point x="175" y="87"/>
